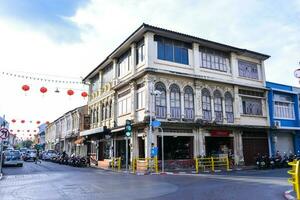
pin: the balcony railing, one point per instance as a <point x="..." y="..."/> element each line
<point x="230" y="117"/>
<point x="189" y="113"/>
<point x="206" y="115"/>
<point x="218" y="116"/>
<point x="160" y="111"/>
<point x="175" y="113"/>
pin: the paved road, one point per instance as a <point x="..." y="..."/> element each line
<point x="59" y="182"/>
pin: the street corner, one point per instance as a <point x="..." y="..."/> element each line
<point x="289" y="195"/>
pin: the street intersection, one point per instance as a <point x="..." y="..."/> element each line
<point x="54" y="181"/>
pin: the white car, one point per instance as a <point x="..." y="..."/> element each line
<point x="13" y="157"/>
<point x="30" y="155"/>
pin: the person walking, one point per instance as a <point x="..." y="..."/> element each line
<point x="37" y="158"/>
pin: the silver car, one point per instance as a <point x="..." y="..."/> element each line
<point x="13" y="157"/>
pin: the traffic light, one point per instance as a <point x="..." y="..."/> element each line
<point x="128" y="128"/>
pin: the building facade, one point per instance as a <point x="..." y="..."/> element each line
<point x="211" y="99"/>
<point x="63" y="133"/>
<point x="284" y="118"/>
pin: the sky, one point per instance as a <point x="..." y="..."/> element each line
<point x="66" y="39"/>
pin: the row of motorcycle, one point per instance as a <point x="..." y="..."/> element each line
<point x="275" y="161"/>
<point x="73" y="160"/>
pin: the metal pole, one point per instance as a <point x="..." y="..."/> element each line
<point x="126" y="154"/>
<point x="1" y="154"/>
<point x="150" y="124"/>
<point x="162" y="151"/>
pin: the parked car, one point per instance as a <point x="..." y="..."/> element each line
<point x="30" y="155"/>
<point x="48" y="155"/>
<point x="23" y="152"/>
<point x="13" y="157"/>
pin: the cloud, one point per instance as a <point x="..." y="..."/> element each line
<point x="49" y="16"/>
<point x="70" y="38"/>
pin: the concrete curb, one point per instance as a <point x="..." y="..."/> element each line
<point x="287" y="195"/>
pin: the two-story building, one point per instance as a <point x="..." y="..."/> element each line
<point x="63" y="133"/>
<point x="284" y="118"/>
<point x="211" y="99"/>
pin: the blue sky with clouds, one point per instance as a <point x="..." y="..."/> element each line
<point x="49" y="16"/>
<point x="71" y="37"/>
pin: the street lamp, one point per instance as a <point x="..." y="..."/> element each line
<point x="152" y="93"/>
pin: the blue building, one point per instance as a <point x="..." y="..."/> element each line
<point x="283" y="105"/>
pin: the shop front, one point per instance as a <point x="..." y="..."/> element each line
<point x="254" y="142"/>
<point x="178" y="149"/>
<point x="219" y="143"/>
<point x="97" y="141"/>
<point x="282" y="141"/>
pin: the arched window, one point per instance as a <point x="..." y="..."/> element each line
<point x="160" y="101"/>
<point x="229" y="107"/>
<point x="175" y="102"/>
<point x="218" y="106"/>
<point x="188" y="103"/>
<point x="206" y="105"/>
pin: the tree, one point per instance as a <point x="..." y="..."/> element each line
<point x="27" y="143"/>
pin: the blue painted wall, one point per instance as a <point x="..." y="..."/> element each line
<point x="276" y="88"/>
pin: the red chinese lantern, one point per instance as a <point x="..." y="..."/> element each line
<point x="11" y="130"/>
<point x="22" y="121"/>
<point x="70" y="92"/>
<point x="38" y="122"/>
<point x="13" y="121"/>
<point x="34" y="131"/>
<point x="25" y="88"/>
<point x="28" y="131"/>
<point x="43" y="90"/>
<point x="29" y="134"/>
<point x="84" y="94"/>
<point x="18" y="130"/>
<point x="47" y="122"/>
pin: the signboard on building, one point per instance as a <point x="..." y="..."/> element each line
<point x="219" y="133"/>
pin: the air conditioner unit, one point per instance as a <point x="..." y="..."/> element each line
<point x="277" y="124"/>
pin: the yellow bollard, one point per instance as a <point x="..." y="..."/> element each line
<point x="212" y="164"/>
<point x="156" y="164"/>
<point x="119" y="163"/>
<point x="227" y="163"/>
<point x="197" y="165"/>
<point x="294" y="180"/>
<point x="133" y="165"/>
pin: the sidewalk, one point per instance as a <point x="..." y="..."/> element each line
<point x="290" y="195"/>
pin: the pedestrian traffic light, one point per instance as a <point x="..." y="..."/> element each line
<point x="128" y="128"/>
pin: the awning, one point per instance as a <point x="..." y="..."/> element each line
<point x="117" y="129"/>
<point x="92" y="131"/>
<point x="79" y="140"/>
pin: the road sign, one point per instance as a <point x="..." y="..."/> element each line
<point x="154" y="152"/>
<point x="4" y="133"/>
<point x="156" y="123"/>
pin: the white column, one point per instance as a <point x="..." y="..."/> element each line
<point x="150" y="51"/>
<point x="238" y="148"/>
<point x="133" y="100"/>
<point x="133" y="58"/>
<point x="234" y="65"/>
<point x="236" y="104"/>
<point x="197" y="102"/>
<point x="263" y="74"/>
<point x="115" y="71"/>
<point x="101" y="84"/>
<point x="212" y="108"/>
<point x="168" y="103"/>
<point x="196" y="60"/>
<point x="182" y="104"/>
<point x="223" y="109"/>
<point x="201" y="142"/>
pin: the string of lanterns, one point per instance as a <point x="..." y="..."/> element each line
<point x="30" y="121"/>
<point x="39" y="78"/>
<point x="43" y="90"/>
